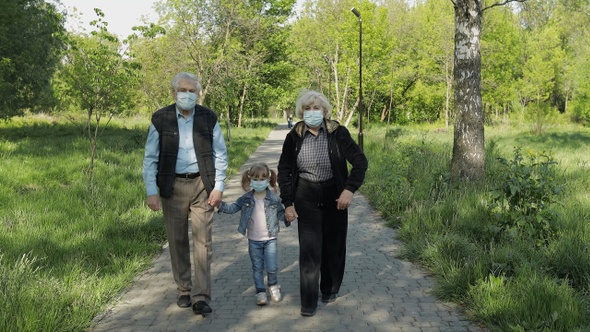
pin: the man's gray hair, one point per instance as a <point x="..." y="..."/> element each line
<point x="186" y="76"/>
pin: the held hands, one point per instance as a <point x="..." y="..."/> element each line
<point x="153" y="201"/>
<point x="215" y="198"/>
<point x="343" y="202"/>
<point x="290" y="213"/>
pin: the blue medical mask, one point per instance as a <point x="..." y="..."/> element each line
<point x="259" y="186"/>
<point x="186" y="101"/>
<point x="313" y="118"/>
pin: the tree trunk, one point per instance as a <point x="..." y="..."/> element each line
<point x="351" y="113"/>
<point x="342" y="113"/>
<point x="241" y="109"/>
<point x="449" y="88"/>
<point x="228" y="138"/>
<point x="468" y="145"/>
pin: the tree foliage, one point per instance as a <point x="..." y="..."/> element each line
<point x="253" y="57"/>
<point x="235" y="47"/>
<point x="97" y="78"/>
<point x="31" y="42"/>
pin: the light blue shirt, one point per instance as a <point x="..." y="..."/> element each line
<point x="186" y="160"/>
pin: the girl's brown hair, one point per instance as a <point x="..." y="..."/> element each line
<point x="259" y="170"/>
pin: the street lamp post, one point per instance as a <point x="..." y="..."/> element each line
<point x="358" y="14"/>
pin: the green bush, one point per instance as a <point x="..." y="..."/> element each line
<point x="581" y="109"/>
<point x="522" y="203"/>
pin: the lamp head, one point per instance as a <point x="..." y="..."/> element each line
<point x="356" y="12"/>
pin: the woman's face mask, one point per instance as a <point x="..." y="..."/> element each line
<point x="313" y="118"/>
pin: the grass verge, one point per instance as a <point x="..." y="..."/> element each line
<point x="67" y="247"/>
<point x="504" y="279"/>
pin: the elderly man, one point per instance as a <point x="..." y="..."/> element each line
<point x="184" y="172"/>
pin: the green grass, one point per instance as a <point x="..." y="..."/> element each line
<point x="509" y="284"/>
<point x="68" y="248"/>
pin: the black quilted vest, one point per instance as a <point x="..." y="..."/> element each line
<point x="166" y="124"/>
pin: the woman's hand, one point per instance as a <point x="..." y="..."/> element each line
<point x="343" y="202"/>
<point x="290" y="213"/>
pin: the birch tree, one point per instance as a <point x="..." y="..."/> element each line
<point x="468" y="159"/>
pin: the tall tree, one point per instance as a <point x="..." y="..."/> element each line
<point x="99" y="79"/>
<point x="502" y="54"/>
<point x="150" y="47"/>
<point x="230" y="44"/>
<point x="325" y="47"/>
<point x="467" y="162"/>
<point x="542" y="70"/>
<point x="434" y="32"/>
<point x="31" y="43"/>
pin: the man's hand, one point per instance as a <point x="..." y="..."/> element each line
<point x="153" y="201"/>
<point x="215" y="197"/>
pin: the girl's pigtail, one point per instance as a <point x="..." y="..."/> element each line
<point x="246" y="181"/>
<point x="273" y="181"/>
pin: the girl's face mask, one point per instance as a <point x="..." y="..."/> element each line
<point x="259" y="185"/>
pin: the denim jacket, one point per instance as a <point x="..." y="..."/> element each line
<point x="273" y="209"/>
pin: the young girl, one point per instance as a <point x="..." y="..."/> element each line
<point x="261" y="212"/>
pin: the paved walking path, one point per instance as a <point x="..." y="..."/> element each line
<point x="379" y="292"/>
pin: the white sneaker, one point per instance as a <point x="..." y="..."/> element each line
<point x="275" y="293"/>
<point x="261" y="298"/>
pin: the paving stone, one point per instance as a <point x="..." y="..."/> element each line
<point x="379" y="291"/>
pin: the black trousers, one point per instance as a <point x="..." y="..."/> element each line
<point x="322" y="240"/>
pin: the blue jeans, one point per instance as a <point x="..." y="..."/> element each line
<point x="264" y="255"/>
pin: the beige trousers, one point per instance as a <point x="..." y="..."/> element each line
<point x="190" y="200"/>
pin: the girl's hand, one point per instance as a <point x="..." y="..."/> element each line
<point x="343" y="202"/>
<point x="290" y="213"/>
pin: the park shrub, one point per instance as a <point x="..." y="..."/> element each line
<point x="521" y="205"/>
<point x="581" y="110"/>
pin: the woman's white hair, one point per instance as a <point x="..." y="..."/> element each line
<point x="307" y="98"/>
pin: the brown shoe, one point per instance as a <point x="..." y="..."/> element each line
<point x="202" y="308"/>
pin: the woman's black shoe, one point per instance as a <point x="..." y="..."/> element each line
<point x="308" y="311"/>
<point x="328" y="298"/>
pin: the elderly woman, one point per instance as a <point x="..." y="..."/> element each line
<point x="317" y="189"/>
